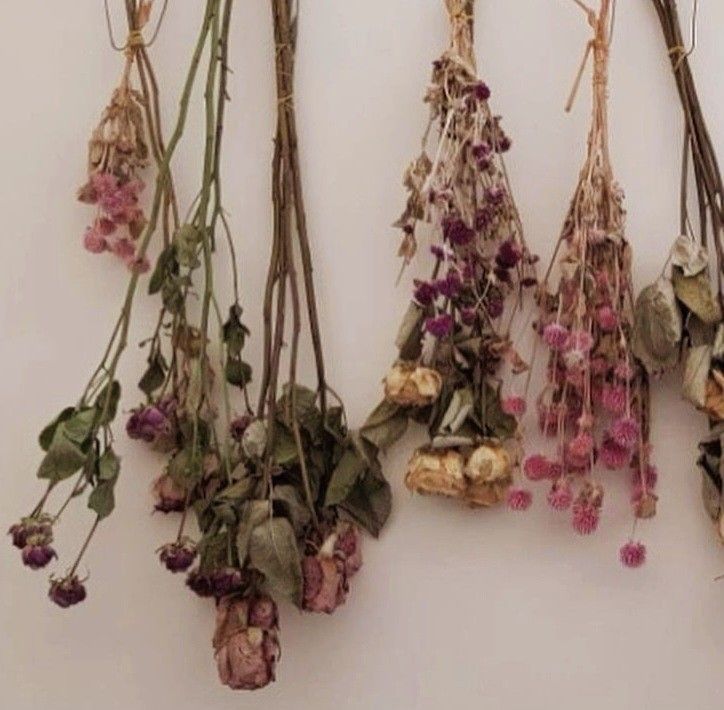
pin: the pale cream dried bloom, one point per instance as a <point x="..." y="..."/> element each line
<point x="436" y="472"/>
<point x="489" y="475"/>
<point x="411" y="385"/>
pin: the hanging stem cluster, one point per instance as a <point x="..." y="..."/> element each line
<point x="596" y="402"/>
<point x="695" y="296"/>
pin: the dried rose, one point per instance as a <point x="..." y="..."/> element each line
<point x="178" y="556"/>
<point x="246" y="654"/>
<point x="436" y="472"/>
<point x="67" y="592"/>
<point x="170" y="497"/>
<point x="325" y="583"/>
<point x="489" y="474"/>
<point x="411" y="385"/>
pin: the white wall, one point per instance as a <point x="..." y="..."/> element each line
<point x="454" y="608"/>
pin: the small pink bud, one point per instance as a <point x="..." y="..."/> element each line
<point x="94" y="241"/>
<point x="519" y="499"/>
<point x="633" y="554"/>
<point x="514" y="406"/>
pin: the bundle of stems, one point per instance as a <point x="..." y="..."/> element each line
<point x="455" y="341"/>
<point x="595" y="404"/>
<point x="696" y="262"/>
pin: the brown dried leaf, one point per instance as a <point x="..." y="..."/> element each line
<point x="696" y="294"/>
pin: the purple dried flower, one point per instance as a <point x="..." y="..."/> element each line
<point x="200" y="583"/>
<point x="495" y="194"/>
<point x="238" y="426"/>
<point x="555" y="336"/>
<point x="456" y="232"/>
<point x="481" y="91"/>
<point x="468" y="316"/>
<point x="495" y="307"/>
<point x="437" y="252"/>
<point x="509" y="255"/>
<point x="425" y="292"/>
<point x="178" y="556"/>
<point x="439" y="327"/>
<point x="67" y="592"/>
<point x="152" y="424"/>
<point x="263" y="613"/>
<point x="37" y="556"/>
<point x="450" y="286"/>
<point x="483" y="219"/>
<point x="225" y="581"/>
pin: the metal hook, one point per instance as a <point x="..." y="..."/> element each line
<point x="133" y="33"/>
<point x="694" y="16"/>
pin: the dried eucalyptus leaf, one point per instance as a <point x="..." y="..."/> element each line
<point x="385" y="426"/>
<point x="689" y="255"/>
<point x="370" y="501"/>
<point x="696" y="374"/>
<point x="657" y="327"/>
<point x="46" y="435"/>
<point x="273" y="551"/>
<point x="64" y="458"/>
<point x="696" y="294"/>
<point x="102" y="498"/>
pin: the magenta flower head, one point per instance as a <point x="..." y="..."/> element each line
<point x="481" y="91"/>
<point x="633" y="554"/>
<point x="555" y="336"/>
<point x="614" y="398"/>
<point x="37" y="556"/>
<point x="33" y="530"/>
<point x="200" y="583"/>
<point x="178" y="556"/>
<point x="495" y="307"/>
<point x="67" y="592"/>
<point x="94" y="241"/>
<point x="425" y="292"/>
<point x="170" y="497"/>
<point x="325" y="583"/>
<point x="519" y="499"/>
<point x="509" y="255"/>
<point x="585" y="518"/>
<point x="225" y="581"/>
<point x="152" y="424"/>
<point x="625" y="432"/>
<point x="614" y="456"/>
<point x="440" y="326"/>
<point x="456" y="232"/>
<point x="560" y="495"/>
<point x="514" y="406"/>
<point x="238" y="426"/>
<point x="537" y="467"/>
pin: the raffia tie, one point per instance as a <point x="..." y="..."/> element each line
<point x="461" y="23"/>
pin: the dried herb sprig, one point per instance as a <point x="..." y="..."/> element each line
<point x="79" y="443"/>
<point x="682" y="311"/>
<point x="455" y="340"/>
<point x="595" y="386"/>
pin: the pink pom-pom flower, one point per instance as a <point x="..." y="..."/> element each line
<point x="580" y="341"/>
<point x="607" y="319"/>
<point x="555" y="336"/>
<point x="613" y="398"/>
<point x="613" y="455"/>
<point x="537" y="467"/>
<point x="585" y="518"/>
<point x="632" y="554"/>
<point x="625" y="432"/>
<point x="560" y="495"/>
<point x="519" y="499"/>
<point x="94" y="241"/>
<point x="514" y="406"/>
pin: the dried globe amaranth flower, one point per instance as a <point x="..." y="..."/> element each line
<point x="437" y="472"/>
<point x="411" y="385"/>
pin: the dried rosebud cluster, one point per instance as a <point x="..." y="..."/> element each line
<point x="155" y="424"/>
<point x="411" y="385"/>
<point x="327" y="573"/>
<point x="34" y="537"/>
<point x="481" y="479"/>
<point x="246" y="642"/>
<point x="116" y="155"/>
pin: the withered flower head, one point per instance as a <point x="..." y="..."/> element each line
<point x="325" y="583"/>
<point x="436" y="472"/>
<point x="67" y="592"/>
<point x="170" y="497"/>
<point x="178" y="556"/>
<point x="408" y="384"/>
<point x="246" y="653"/>
<point x="489" y="473"/>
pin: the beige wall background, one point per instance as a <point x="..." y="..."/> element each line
<point x="454" y="608"/>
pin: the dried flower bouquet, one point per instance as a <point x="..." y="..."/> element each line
<point x="681" y="313"/>
<point x="595" y="404"/>
<point x="455" y="340"/>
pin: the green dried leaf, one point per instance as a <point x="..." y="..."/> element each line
<point x="385" y="426"/>
<point x="254" y="440"/>
<point x="370" y="501"/>
<point x="696" y="374"/>
<point x="408" y="340"/>
<point x="293" y="506"/>
<point x="235" y="332"/>
<point x="273" y="551"/>
<point x="46" y="435"/>
<point x="80" y="425"/>
<point x="165" y="266"/>
<point x="238" y="372"/>
<point x="102" y="498"/>
<point x="186" y="468"/>
<point x="253" y="513"/>
<point x="285" y="448"/>
<point x="345" y="476"/>
<point x="696" y="294"/>
<point x="155" y="375"/>
<point x="107" y="403"/>
<point x="657" y="327"/>
<point x="497" y="423"/>
<point x="187" y="240"/>
<point x="64" y="458"/>
<point x="306" y="411"/>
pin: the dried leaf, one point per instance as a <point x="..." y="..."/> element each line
<point x="696" y="374"/>
<point x="689" y="255"/>
<point x="273" y="551"/>
<point x="696" y="294"/>
<point x="657" y="327"/>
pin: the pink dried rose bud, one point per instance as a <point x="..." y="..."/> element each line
<point x="67" y="592"/>
<point x="246" y="654"/>
<point x="633" y="554"/>
<point x="519" y="499"/>
<point x="325" y="583"/>
<point x="514" y="406"/>
<point x="37" y="556"/>
<point x="348" y="547"/>
<point x="178" y="556"/>
<point x="170" y="497"/>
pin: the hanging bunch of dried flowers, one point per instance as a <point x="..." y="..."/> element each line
<point x="118" y="151"/>
<point x="595" y="405"/>
<point x="455" y="339"/>
<point x="683" y="308"/>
